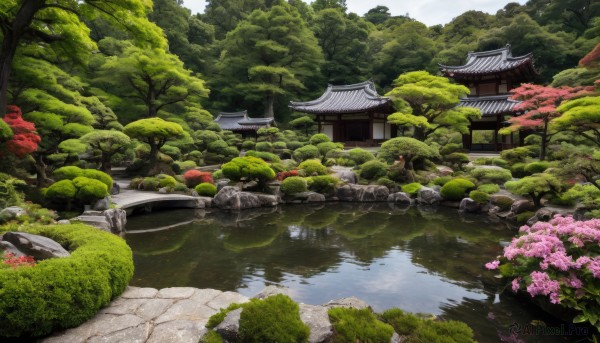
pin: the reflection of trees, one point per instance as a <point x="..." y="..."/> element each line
<point x="242" y="238"/>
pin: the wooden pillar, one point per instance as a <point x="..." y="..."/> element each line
<point x="371" y="126"/>
<point x="338" y="129"/>
<point x="319" y="119"/>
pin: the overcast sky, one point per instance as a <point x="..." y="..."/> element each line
<point x="430" y="12"/>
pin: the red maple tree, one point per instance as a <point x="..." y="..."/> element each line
<point x="539" y="104"/>
<point x="25" y="139"/>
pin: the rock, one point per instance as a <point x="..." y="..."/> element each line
<point x="347" y="176"/>
<point x="317" y="319"/>
<point x="225" y="299"/>
<point x="163" y="190"/>
<point x="221" y="183"/>
<point x="117" y="218"/>
<point x="273" y="290"/>
<point x="194" y="193"/>
<point x="520" y="206"/>
<point x="400" y="198"/>
<point x="229" y="328"/>
<point x="494" y="209"/>
<point x="231" y="198"/>
<point x="351" y="302"/>
<point x="396" y="338"/>
<point x="12" y="212"/>
<point x="309" y="197"/>
<point x="63" y="222"/>
<point x="8" y="247"/>
<point x="39" y="247"/>
<point x="115" y="189"/>
<point x="543" y="215"/>
<point x="102" y="204"/>
<point x="444" y="170"/>
<point x="267" y="200"/>
<point x="469" y="205"/>
<point x="360" y="193"/>
<point x="176" y="293"/>
<point x="97" y="221"/>
<point x="139" y="293"/>
<point x="502" y="201"/>
<point x="428" y="196"/>
<point x="180" y="331"/>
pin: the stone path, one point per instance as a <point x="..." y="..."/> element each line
<point x="149" y="315"/>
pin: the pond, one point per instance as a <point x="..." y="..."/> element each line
<point x="418" y="259"/>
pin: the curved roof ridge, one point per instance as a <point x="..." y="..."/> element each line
<point x="242" y="113"/>
<point x="494" y="60"/>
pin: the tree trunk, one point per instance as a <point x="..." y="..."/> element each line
<point x="269" y="111"/>
<point x="105" y="164"/>
<point x="40" y="167"/>
<point x="537" y="200"/>
<point x="419" y="133"/>
<point x="544" y="141"/>
<point x="10" y="43"/>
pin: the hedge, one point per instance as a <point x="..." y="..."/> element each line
<point x="61" y="293"/>
<point x="456" y="189"/>
<point x="293" y="185"/>
<point x="312" y="167"/>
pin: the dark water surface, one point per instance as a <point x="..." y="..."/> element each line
<point x="420" y="260"/>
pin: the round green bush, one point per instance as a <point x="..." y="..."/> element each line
<point x="326" y="147"/>
<point x="442" y="180"/>
<point x="418" y="329"/>
<point x="218" y="174"/>
<point x="536" y="167"/>
<point x="61" y="190"/>
<point x="319" y="138"/>
<point x="479" y="196"/>
<point x="264" y="146"/>
<point x="89" y="190"/>
<point x="456" y="158"/>
<point x="172" y="151"/>
<point x="412" y="188"/>
<point x="186" y="165"/>
<point x="502" y="201"/>
<point x="249" y="168"/>
<point x="360" y="156"/>
<point x="293" y="185"/>
<point x="60" y="293"/>
<point x="384" y="181"/>
<point x="267" y="156"/>
<point x="324" y="184"/>
<point x="515" y="155"/>
<point x="500" y="163"/>
<point x="218" y="146"/>
<point x="206" y="189"/>
<point x="150" y="184"/>
<point x="489" y="188"/>
<point x="306" y="152"/>
<point x="313" y="167"/>
<point x="67" y="173"/>
<point x="373" y="169"/>
<point x="354" y="325"/>
<point x="518" y="169"/>
<point x="248" y="144"/>
<point x="491" y="175"/>
<point x="166" y="181"/>
<point x="98" y="175"/>
<point x="279" y="145"/>
<point x="456" y="189"/>
<point x="293" y="145"/>
<point x="451" y="148"/>
<point x="335" y="153"/>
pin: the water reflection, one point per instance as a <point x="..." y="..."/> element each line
<point x="419" y="259"/>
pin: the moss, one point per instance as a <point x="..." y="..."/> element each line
<point x="274" y="319"/>
<point x="419" y="330"/>
<point x="293" y="185"/>
<point x="313" y="167"/>
<point x="373" y="170"/>
<point x="293" y="145"/>
<point x="515" y="155"/>
<point x="479" y="196"/>
<point x="319" y="138"/>
<point x="451" y="148"/>
<point x="442" y="180"/>
<point x="536" y="167"/>
<point x="150" y="184"/>
<point x="306" y="152"/>
<point x="404" y="324"/>
<point x="60" y="293"/>
<point x="457" y="158"/>
<point x="324" y="184"/>
<point x="518" y="169"/>
<point x="211" y="337"/>
<point x="456" y="189"/>
<point x="502" y="201"/>
<point x="491" y="175"/>
<point x="412" y="188"/>
<point x="206" y="189"/>
<point x="489" y="188"/>
<point x="279" y="145"/>
<point x="248" y="144"/>
<point x="218" y="317"/>
<point x="384" y="181"/>
<point x="522" y="218"/>
<point x="353" y="325"/>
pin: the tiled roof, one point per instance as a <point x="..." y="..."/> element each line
<point x="486" y="62"/>
<point x="239" y="121"/>
<point x="491" y="105"/>
<point x="356" y="98"/>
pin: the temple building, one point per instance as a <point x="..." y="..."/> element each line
<point x="239" y="122"/>
<point x="490" y="75"/>
<point x="353" y="114"/>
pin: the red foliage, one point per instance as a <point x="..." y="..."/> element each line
<point x="283" y="175"/>
<point x="18" y="261"/>
<point x="25" y="139"/>
<point x="540" y="102"/>
<point x="195" y="177"/>
<point x="592" y="59"/>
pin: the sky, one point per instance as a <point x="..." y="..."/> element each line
<point x="429" y="12"/>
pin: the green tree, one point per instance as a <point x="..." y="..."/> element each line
<point x="378" y="14"/>
<point x="268" y="56"/>
<point x="225" y="15"/>
<point x="155" y="132"/>
<point x="428" y="103"/>
<point x="108" y="143"/>
<point x="564" y="15"/>
<point x="580" y="116"/>
<point x="535" y="186"/>
<point x="305" y="123"/>
<point x="319" y="5"/>
<point x="408" y="148"/>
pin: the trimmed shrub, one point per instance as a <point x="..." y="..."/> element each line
<point x="89" y="190"/>
<point x="274" y="319"/>
<point x="150" y="184"/>
<point x="294" y="145"/>
<point x="491" y="175"/>
<point x="180" y="187"/>
<point x="293" y="185"/>
<point x="457" y="158"/>
<point x="312" y="167"/>
<point x="412" y="188"/>
<point x="172" y="151"/>
<point x="324" y="184"/>
<point x="354" y="325"/>
<point x="451" y="148"/>
<point x="502" y="201"/>
<point x="306" y="152"/>
<point x="166" y="181"/>
<point x="249" y="168"/>
<point x="489" y="188"/>
<point x="10" y="193"/>
<point x="384" y="181"/>
<point x="372" y="170"/>
<point x="279" y="145"/>
<point x="456" y="189"/>
<point x="195" y="177"/>
<point x="218" y="174"/>
<point x="360" y="156"/>
<point x="264" y="146"/>
<point x="67" y="173"/>
<point x="523" y="217"/>
<point x="536" y="167"/>
<point x="319" y="138"/>
<point x="98" y="175"/>
<point x="218" y="146"/>
<point x="479" y="196"/>
<point x="186" y="165"/>
<point x="248" y="144"/>
<point x="60" y="293"/>
<point x="442" y="180"/>
<point x="63" y="190"/>
<point x="411" y="149"/>
<point x="267" y="156"/>
<point x="325" y="147"/>
<point x="536" y="186"/>
<point x="206" y="189"/>
<point x="515" y="155"/>
<point x="518" y="169"/>
<point x="195" y="156"/>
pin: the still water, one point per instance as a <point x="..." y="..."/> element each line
<point x="417" y="259"/>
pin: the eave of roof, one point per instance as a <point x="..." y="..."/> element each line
<point x="491" y="105"/>
<point x="486" y="62"/>
<point x="239" y="121"/>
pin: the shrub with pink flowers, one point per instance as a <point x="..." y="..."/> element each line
<point x="195" y="177"/>
<point x="560" y="260"/>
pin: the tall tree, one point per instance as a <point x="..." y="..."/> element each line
<point x="268" y="56"/>
<point x="428" y="103"/>
<point x="378" y="14"/>
<point x="580" y="116"/>
<point x="226" y="14"/>
<point x="319" y="5"/>
<point x="564" y="15"/>
<point x="58" y="22"/>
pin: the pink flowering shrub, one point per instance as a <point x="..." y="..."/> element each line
<point x="14" y="261"/>
<point x="559" y="260"/>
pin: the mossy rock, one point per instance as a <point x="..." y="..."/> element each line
<point x="354" y="325"/>
<point x="412" y="188"/>
<point x="502" y="201"/>
<point x="60" y="293"/>
<point x="206" y="189"/>
<point x="479" y="196"/>
<point x="456" y="189"/>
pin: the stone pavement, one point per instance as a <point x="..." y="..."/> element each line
<point x="141" y="315"/>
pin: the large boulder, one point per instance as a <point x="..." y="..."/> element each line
<point x="232" y="198"/>
<point x="520" y="206"/>
<point x="273" y="290"/>
<point x="428" y="196"/>
<point x="317" y="319"/>
<point x="468" y="205"/>
<point x="8" y="247"/>
<point x="444" y="170"/>
<point x="359" y="193"/>
<point x="39" y="247"/>
<point x="347" y="176"/>
<point x="351" y="302"/>
<point x="309" y="196"/>
<point x="267" y="200"/>
<point x="11" y="213"/>
<point x="229" y="328"/>
<point x="102" y="204"/>
<point x="117" y="218"/>
<point x="400" y="198"/>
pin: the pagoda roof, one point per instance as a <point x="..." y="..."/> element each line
<point x="489" y="62"/>
<point x="491" y="105"/>
<point x="356" y="98"/>
<point x="239" y="121"/>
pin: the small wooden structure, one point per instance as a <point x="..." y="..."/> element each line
<point x="353" y="114"/>
<point x="490" y="75"/>
<point x="239" y="122"/>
